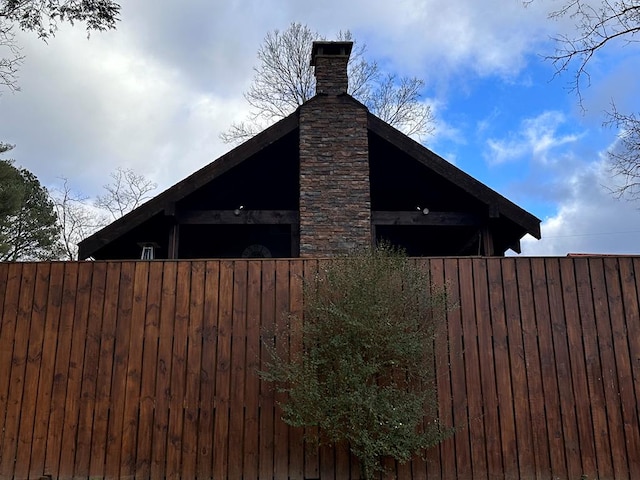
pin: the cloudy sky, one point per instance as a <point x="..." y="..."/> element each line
<point x="155" y="94"/>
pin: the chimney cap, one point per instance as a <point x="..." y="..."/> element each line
<point x="330" y="49"/>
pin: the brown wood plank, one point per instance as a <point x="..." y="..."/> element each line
<point x="443" y="458"/>
<point x="267" y="336"/>
<point x="553" y="415"/>
<point x="459" y="399"/>
<point x="281" y="429"/>
<point x="487" y="365"/>
<point x="105" y="367"/>
<point x="342" y="458"/>
<point x="208" y="373"/>
<point x="473" y="377"/>
<point x="119" y="374"/>
<point x="503" y="369"/>
<point x="131" y="405"/>
<point x="311" y="454"/>
<point x="596" y="396"/>
<point x="148" y="370"/>
<point x="178" y="372"/>
<point x="570" y="437"/>
<point x="518" y="377"/>
<point x="609" y="366"/>
<point x="540" y="442"/>
<point x="194" y="366"/>
<point x="223" y="374"/>
<point x="76" y="362"/>
<point x="163" y="372"/>
<point x="296" y="435"/>
<point x="61" y="371"/>
<point x="120" y="352"/>
<point x="252" y="381"/>
<point x="327" y="462"/>
<point x="90" y="370"/>
<point x="17" y="374"/>
<point x="4" y="272"/>
<point x="7" y="333"/>
<point x="574" y="334"/>
<point x="628" y="404"/>
<point x="630" y="389"/>
<point x="45" y="381"/>
<point x="34" y="357"/>
<point x="238" y="370"/>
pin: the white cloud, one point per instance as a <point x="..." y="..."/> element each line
<point x="537" y="140"/>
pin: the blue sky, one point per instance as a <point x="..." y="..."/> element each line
<point x="155" y="94"/>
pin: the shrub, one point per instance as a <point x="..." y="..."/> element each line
<point x="365" y="372"/>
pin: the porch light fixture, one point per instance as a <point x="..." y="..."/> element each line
<point x="237" y="211"/>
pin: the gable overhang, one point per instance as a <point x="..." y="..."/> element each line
<point x="165" y="201"/>
<point x="497" y="204"/>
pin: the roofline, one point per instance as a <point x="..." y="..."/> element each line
<point x="91" y="244"/>
<point x="449" y="171"/>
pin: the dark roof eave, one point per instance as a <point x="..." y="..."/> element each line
<point x="91" y="244"/>
<point x="465" y="181"/>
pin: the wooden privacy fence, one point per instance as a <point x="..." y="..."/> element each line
<point x="147" y="370"/>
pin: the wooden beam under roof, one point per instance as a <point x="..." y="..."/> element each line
<point x="453" y="219"/>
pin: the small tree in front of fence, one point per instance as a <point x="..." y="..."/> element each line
<point x="365" y="373"/>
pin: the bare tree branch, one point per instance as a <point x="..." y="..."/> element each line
<point x="127" y="191"/>
<point x="624" y="157"/>
<point x="76" y="217"/>
<point x="44" y="17"/>
<point x="284" y="80"/>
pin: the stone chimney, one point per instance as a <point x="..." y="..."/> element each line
<point x="330" y="60"/>
<point x="335" y="205"/>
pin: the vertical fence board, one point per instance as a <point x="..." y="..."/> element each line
<point x="311" y="453"/>
<point x="542" y="467"/>
<point x="90" y="370"/>
<point x="631" y="388"/>
<point x="552" y="413"/>
<point x="281" y="429"/>
<point x="194" y="367"/>
<point x="571" y="316"/>
<point x="518" y="373"/>
<point x="594" y="372"/>
<point x="503" y="372"/>
<point x="609" y="378"/>
<point x="60" y="374"/>
<point x="622" y="358"/>
<point x="119" y="372"/>
<point x="178" y="372"/>
<point x="105" y="365"/>
<point x="487" y="366"/>
<point x="208" y="371"/>
<point x="149" y="344"/>
<point x="446" y="463"/>
<point x="34" y="366"/>
<point x="460" y="421"/>
<point x="252" y="381"/>
<point x="296" y="440"/>
<point x="476" y="426"/>
<point x="163" y="373"/>
<point x="238" y="371"/>
<point x="133" y="371"/>
<point x="569" y="437"/>
<point x="14" y="402"/>
<point x="76" y="362"/>
<point x="266" y="389"/>
<point x="223" y="372"/>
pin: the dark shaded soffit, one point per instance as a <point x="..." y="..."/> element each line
<point x="166" y="200"/>
<point x="493" y="200"/>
